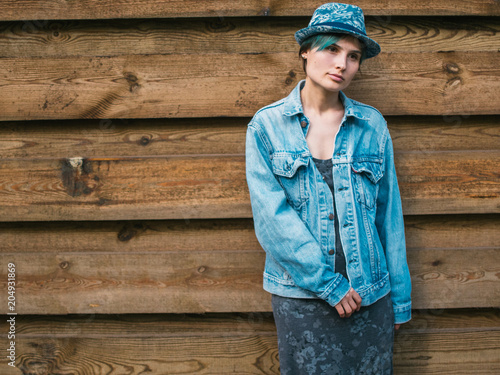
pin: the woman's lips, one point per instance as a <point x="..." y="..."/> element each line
<point x="336" y="77"/>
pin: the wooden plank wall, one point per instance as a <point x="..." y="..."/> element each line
<point x="123" y="201"/>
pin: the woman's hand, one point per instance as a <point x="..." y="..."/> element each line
<point x="396" y="326"/>
<point x="349" y="304"/>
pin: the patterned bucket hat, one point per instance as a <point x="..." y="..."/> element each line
<point x="339" y="18"/>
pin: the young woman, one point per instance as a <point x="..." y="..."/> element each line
<point x="327" y="210"/>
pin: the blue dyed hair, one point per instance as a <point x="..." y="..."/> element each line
<point x="323" y="41"/>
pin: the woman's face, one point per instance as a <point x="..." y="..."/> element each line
<point x="334" y="67"/>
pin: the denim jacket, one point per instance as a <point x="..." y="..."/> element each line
<point x="293" y="206"/>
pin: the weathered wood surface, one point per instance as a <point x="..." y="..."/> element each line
<point x="453" y="182"/>
<point x="138" y="86"/>
<point x="213" y="186"/>
<point x="233" y="35"/>
<point x="92" y="9"/>
<point x="167" y="137"/>
<point x="190" y="187"/>
<point x="217" y="265"/>
<point x="229" y="235"/>
<point x="433" y="342"/>
<point x="219" y="281"/>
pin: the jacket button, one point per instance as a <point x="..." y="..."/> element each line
<point x="303" y="123"/>
<point x="331" y="216"/>
<point x="331" y="252"/>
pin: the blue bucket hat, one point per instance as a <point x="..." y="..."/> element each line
<point x="339" y="18"/>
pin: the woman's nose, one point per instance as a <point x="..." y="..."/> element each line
<point x="341" y="61"/>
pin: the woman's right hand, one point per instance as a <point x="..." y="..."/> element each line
<point x="349" y="304"/>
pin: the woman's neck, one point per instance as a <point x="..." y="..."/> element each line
<point x="318" y="100"/>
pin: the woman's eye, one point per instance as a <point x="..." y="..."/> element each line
<point x="332" y="48"/>
<point x="355" y="57"/>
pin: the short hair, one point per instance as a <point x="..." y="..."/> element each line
<point x="323" y="41"/>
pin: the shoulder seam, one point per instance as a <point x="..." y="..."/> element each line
<point x="262" y="137"/>
<point x="367" y="105"/>
<point x="272" y="105"/>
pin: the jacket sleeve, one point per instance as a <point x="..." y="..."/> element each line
<point x="279" y="229"/>
<point x="390" y="226"/>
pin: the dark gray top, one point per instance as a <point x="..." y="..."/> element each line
<point x="325" y="166"/>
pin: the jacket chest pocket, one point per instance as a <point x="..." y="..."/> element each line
<point x="366" y="176"/>
<point x="290" y="171"/>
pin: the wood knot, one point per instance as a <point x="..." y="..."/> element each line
<point x="437" y="263"/>
<point x="453" y="83"/>
<point x="77" y="178"/>
<point x="64" y="265"/>
<point x="291" y="78"/>
<point x="452" y="68"/>
<point x="130" y="230"/>
<point x="145" y="140"/>
<point x="221" y="26"/>
<point x="132" y="80"/>
<point x="202" y="269"/>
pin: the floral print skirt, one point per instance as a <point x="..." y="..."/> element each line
<point x="314" y="339"/>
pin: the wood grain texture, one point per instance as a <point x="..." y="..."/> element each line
<point x="454" y="182"/>
<point x="80" y="283"/>
<point x="219" y="281"/>
<point x="103" y="9"/>
<point x="203" y="266"/>
<point x="62" y="38"/>
<point x="157" y="86"/>
<point x="131" y="188"/>
<point x="442" y="232"/>
<point x="463" y="282"/>
<point x="169" y="137"/>
<point x="433" y="342"/>
<point x="190" y="187"/>
<point x="104" y="134"/>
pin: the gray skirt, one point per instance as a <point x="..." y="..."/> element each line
<point x="314" y="339"/>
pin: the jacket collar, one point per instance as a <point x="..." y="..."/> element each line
<point x="293" y="103"/>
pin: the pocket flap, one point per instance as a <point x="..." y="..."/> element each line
<point x="372" y="169"/>
<point x="287" y="164"/>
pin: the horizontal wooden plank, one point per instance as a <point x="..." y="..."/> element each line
<point x="157" y="86"/>
<point x="439" y="282"/>
<point x="103" y="9"/>
<point x="443" y="342"/>
<point x="187" y="187"/>
<point x="454" y="182"/>
<point x="233" y="35"/>
<point x="166" y="137"/>
<point x="217" y="281"/>
<point x="442" y="232"/>
<point x="444" y="133"/>
<point x="70" y="283"/>
<point x="452" y="260"/>
<point x="452" y="232"/>
<point x="117" y="188"/>
<point x="433" y="342"/>
<point x="215" y="187"/>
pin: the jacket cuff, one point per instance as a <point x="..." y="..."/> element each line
<point x="402" y="314"/>
<point x="336" y="291"/>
